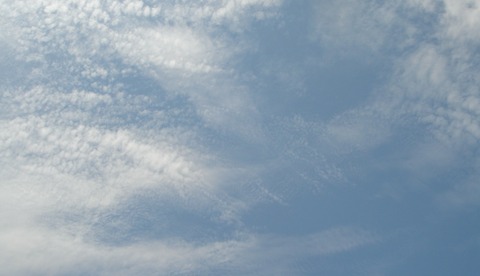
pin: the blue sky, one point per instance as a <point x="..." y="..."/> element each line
<point x="239" y="137"/>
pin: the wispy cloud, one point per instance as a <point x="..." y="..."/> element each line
<point x="76" y="140"/>
<point x="126" y="126"/>
<point x="429" y="48"/>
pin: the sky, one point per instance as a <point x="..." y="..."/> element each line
<point x="239" y="137"/>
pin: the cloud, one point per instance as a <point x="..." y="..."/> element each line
<point x="80" y="144"/>
<point x="461" y="20"/>
<point x="55" y="253"/>
<point x="132" y="140"/>
<point x="178" y="44"/>
<point x="68" y="150"/>
<point x="438" y="87"/>
<point x="434" y="75"/>
<point x="428" y="52"/>
<point x="75" y="47"/>
<point x="278" y="254"/>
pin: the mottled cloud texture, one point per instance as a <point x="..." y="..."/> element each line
<point x="233" y="137"/>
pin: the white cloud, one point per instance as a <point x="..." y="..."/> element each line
<point x="461" y="20"/>
<point x="50" y="252"/>
<point x="60" y="158"/>
<point x="435" y="76"/>
<point x="68" y="133"/>
<point x="175" y="42"/>
<point x="278" y="254"/>
<point x="168" y="48"/>
<point x="75" y="139"/>
<point x="36" y="250"/>
<point x="431" y="48"/>
<point x="66" y="154"/>
<point x="437" y="87"/>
